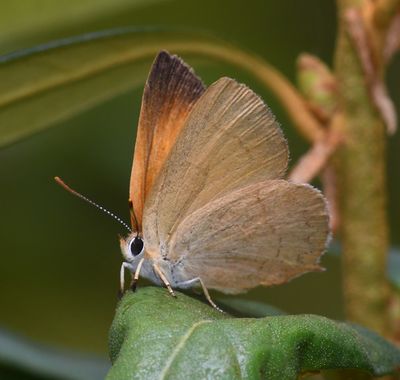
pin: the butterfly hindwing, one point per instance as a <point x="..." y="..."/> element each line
<point x="262" y="234"/>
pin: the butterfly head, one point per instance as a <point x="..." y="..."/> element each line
<point x="132" y="247"/>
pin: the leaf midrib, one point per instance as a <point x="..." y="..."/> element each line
<point x="184" y="338"/>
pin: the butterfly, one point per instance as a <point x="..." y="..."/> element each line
<point x="209" y="205"/>
<point x="208" y="201"/>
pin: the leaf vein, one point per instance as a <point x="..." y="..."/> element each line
<point x="178" y="348"/>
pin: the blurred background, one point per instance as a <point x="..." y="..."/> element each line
<point x="60" y="258"/>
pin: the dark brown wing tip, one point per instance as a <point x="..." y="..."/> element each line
<point x="170" y="71"/>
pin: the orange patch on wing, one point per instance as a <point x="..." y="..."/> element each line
<point x="171" y="90"/>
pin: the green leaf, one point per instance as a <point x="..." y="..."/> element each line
<point x="22" y="359"/>
<point x="155" y="336"/>
<point x="22" y="20"/>
<point x="47" y="84"/>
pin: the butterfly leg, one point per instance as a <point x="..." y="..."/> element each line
<point x="164" y="279"/>
<point x="122" y="279"/>
<point x="135" y="278"/>
<point x="188" y="283"/>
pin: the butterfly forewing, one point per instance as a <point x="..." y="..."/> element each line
<point x="170" y="92"/>
<point x="263" y="234"/>
<point x="229" y="140"/>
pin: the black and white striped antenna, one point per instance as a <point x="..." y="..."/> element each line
<point x="79" y="195"/>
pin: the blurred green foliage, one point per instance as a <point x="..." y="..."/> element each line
<point x="60" y="258"/>
<point x="23" y="359"/>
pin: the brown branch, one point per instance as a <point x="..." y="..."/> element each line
<point x="392" y="42"/>
<point x="359" y="36"/>
<point x="385" y="105"/>
<point x="317" y="161"/>
<point x="384" y="11"/>
<point x="376" y="85"/>
<point x="311" y="164"/>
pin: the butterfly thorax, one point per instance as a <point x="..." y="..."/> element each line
<point x="134" y="251"/>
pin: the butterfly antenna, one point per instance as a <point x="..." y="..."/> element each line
<point x="79" y="195"/>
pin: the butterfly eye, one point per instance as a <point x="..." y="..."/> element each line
<point x="136" y="246"/>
